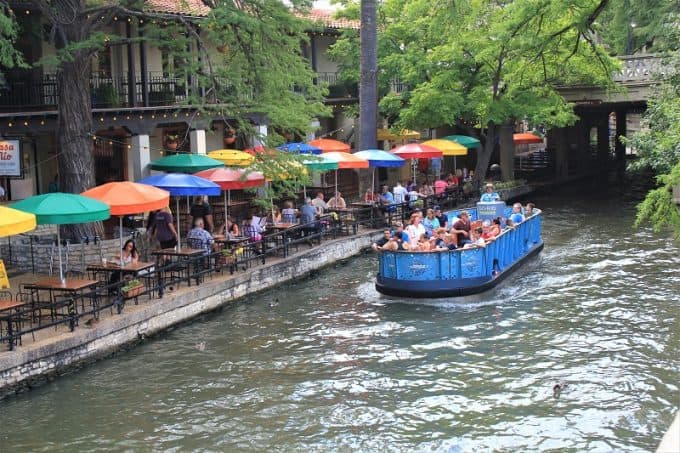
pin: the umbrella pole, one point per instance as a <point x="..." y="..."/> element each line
<point x="336" y="182"/>
<point x="454" y="165"/>
<point x="178" y="236"/>
<point x="120" y="230"/>
<point x="226" y="214"/>
<point x="61" y="271"/>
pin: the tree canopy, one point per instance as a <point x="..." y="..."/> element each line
<point x="478" y="65"/>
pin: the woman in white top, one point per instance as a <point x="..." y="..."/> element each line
<point x="414" y="230"/>
<point x="129" y="253"/>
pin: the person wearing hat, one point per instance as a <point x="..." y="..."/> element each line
<point x="489" y="195"/>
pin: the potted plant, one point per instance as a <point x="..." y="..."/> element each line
<point x="132" y="288"/>
<point x="172" y="141"/>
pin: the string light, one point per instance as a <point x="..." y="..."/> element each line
<point x="9" y="124"/>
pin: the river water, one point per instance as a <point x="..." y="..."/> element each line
<point x="327" y="364"/>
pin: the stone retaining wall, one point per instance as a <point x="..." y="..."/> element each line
<point x="39" y="361"/>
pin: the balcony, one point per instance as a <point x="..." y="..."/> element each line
<point x="40" y="94"/>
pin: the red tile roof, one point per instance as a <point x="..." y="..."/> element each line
<point x="184" y="7"/>
<point x="328" y="19"/>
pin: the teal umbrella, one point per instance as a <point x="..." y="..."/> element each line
<point x="185" y="163"/>
<point x="464" y="140"/>
<point x="63" y="209"/>
<point x="319" y="162"/>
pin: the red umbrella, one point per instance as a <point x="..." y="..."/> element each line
<point x="327" y="145"/>
<point x="232" y="178"/>
<point x="526" y="139"/>
<point x="416" y="151"/>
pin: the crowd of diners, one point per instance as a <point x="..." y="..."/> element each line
<point x="432" y="230"/>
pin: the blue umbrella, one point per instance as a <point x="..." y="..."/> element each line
<point x="380" y="158"/>
<point x="299" y="148"/>
<point x="180" y="184"/>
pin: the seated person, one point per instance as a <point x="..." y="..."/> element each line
<point x="369" y="196"/>
<point x="230" y="230"/>
<point x="442" y="218"/>
<point x="439" y="239"/>
<point x="199" y="238"/>
<point x="289" y="214"/>
<point x="396" y="243"/>
<point x="127" y="255"/>
<point x="308" y="217"/>
<point x="426" y="190"/>
<point x="461" y="228"/>
<point x="337" y="202"/>
<point x="476" y="239"/>
<point x="491" y="230"/>
<point x="530" y="210"/>
<point x="489" y="195"/>
<point x="423" y="244"/>
<point x="275" y="216"/>
<point x="253" y="228"/>
<point x="319" y="203"/>
<point x="380" y="243"/>
<point x="517" y="216"/>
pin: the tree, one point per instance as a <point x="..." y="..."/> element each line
<point x="658" y="148"/>
<point x="9" y="56"/>
<point x="479" y="65"/>
<point x="263" y="71"/>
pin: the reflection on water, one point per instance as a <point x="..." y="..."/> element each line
<point x="328" y="364"/>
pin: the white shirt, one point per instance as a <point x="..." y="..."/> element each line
<point x="399" y="193"/>
<point x="414" y="233"/>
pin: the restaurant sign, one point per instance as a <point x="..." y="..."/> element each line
<point x="10" y="158"/>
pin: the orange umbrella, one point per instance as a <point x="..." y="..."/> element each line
<point x="345" y="160"/>
<point x="525" y="139"/>
<point x="127" y="197"/>
<point x="328" y="145"/>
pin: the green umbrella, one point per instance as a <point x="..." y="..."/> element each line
<point x="319" y="163"/>
<point x="465" y="140"/>
<point x="63" y="208"/>
<point x="185" y="163"/>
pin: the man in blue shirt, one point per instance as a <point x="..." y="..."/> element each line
<point x="517" y="216"/>
<point x="489" y="195"/>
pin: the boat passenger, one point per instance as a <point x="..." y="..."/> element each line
<point x="516" y="215"/>
<point x="443" y="219"/>
<point x="440" y="239"/>
<point x="400" y="229"/>
<point x="380" y="243"/>
<point x="430" y="222"/>
<point x="396" y="243"/>
<point x="476" y="239"/>
<point x="461" y="228"/>
<point x="530" y="210"/>
<point x="414" y="230"/>
<point x="491" y="229"/>
<point x="423" y="244"/>
<point x="489" y="195"/>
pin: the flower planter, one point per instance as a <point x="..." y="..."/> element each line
<point x="133" y="291"/>
<point x="172" y="146"/>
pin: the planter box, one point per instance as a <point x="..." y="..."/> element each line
<point x="134" y="291"/>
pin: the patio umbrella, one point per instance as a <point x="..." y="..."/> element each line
<point x="448" y="148"/>
<point x="127" y="197"/>
<point x="416" y="151"/>
<point x="465" y="140"/>
<point x="185" y="163"/>
<point x="404" y="134"/>
<point x="300" y="148"/>
<point x="345" y="161"/>
<point x="13" y="221"/>
<point x="526" y="139"/>
<point x="379" y="158"/>
<point x="232" y="157"/>
<point x="59" y="208"/>
<point x="180" y="184"/>
<point x="321" y="163"/>
<point x="231" y="178"/>
<point x="328" y="145"/>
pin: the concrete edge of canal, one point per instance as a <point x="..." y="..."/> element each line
<point x="41" y="361"/>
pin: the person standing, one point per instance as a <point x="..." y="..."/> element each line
<point x="399" y="193"/>
<point x="489" y="194"/>
<point x="200" y="209"/>
<point x="163" y="229"/>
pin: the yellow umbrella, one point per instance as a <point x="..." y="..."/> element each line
<point x="448" y="148"/>
<point x="232" y="157"/>
<point x="13" y="221"/>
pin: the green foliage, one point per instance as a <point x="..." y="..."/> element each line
<point x="10" y="57"/>
<point x="499" y="185"/>
<point x="285" y="174"/>
<point x="658" y="207"/>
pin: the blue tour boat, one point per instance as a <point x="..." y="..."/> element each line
<point x="462" y="271"/>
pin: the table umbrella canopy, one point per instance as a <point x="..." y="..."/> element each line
<point x="321" y="163"/>
<point x="179" y="184"/>
<point x="59" y="208"/>
<point x="346" y="160"/>
<point x="447" y="147"/>
<point x="232" y="157"/>
<point x="126" y="197"/>
<point x="328" y="145"/>
<point x="13" y="221"/>
<point x="300" y="148"/>
<point x="465" y="140"/>
<point x="380" y="158"/>
<point x="185" y="163"/>
<point x="232" y="179"/>
<point x="416" y="151"/>
<point x="526" y="139"/>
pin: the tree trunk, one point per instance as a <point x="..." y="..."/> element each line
<point x="484" y="155"/>
<point x="368" y="87"/>
<point x="76" y="163"/>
